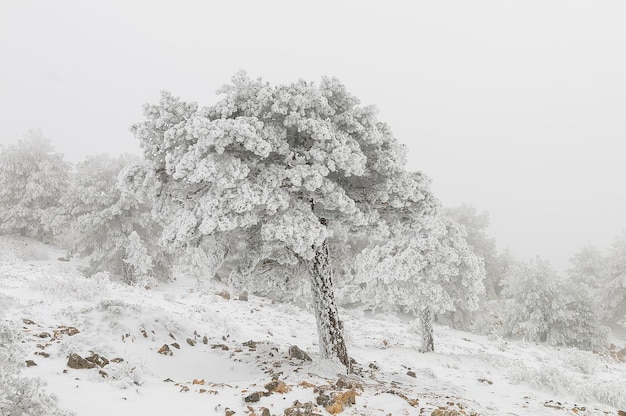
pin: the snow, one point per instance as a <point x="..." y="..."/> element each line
<point x="467" y="372"/>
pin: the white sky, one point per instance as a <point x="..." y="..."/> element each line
<point x="516" y="107"/>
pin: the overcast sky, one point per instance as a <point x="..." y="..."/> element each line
<point x="518" y="108"/>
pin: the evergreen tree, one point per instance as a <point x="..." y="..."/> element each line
<point x="272" y="171"/>
<point x="33" y="178"/>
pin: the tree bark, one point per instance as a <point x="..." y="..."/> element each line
<point x="428" y="338"/>
<point x="329" y="327"/>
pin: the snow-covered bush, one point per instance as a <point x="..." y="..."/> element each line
<point x="64" y="285"/>
<point x="20" y="396"/>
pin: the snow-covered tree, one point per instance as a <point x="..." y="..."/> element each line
<point x="33" y="177"/>
<point x="429" y="268"/>
<point x="543" y="308"/>
<point x="113" y="227"/>
<point x="613" y="291"/>
<point x="273" y="170"/>
<point x="588" y="267"/>
<point x="481" y="244"/>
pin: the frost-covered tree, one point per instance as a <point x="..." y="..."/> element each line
<point x="112" y="227"/>
<point x="481" y="244"/>
<point x="428" y="268"/>
<point x="33" y="177"/>
<point x="271" y="170"/>
<point x="613" y="290"/>
<point x="543" y="308"/>
<point x="588" y="267"/>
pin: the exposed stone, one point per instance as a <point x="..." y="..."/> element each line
<point x="297" y="353"/>
<point x="277" y="386"/>
<point x="220" y="346"/>
<point x="28" y="322"/>
<point x="77" y="362"/>
<point x="301" y="409"/>
<point x="250" y="344"/>
<point x="345" y="383"/>
<point x="243" y="296"/>
<point x="117" y="360"/>
<point x="30" y="363"/>
<point x="264" y="411"/>
<point x="176" y="345"/>
<point x="411" y="374"/>
<point x="224" y="294"/>
<point x="341" y="401"/>
<point x="485" y="381"/>
<point x="42" y="353"/>
<point x="44" y="335"/>
<point x="97" y="360"/>
<point x="191" y="342"/>
<point x="254" y="397"/>
<point x="165" y="350"/>
<point x="205" y="340"/>
<point x="229" y="412"/>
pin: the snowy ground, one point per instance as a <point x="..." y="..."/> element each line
<point x="223" y="351"/>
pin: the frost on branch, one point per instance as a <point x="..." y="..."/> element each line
<point x="269" y="172"/>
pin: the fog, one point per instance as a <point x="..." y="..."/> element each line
<point x="516" y="108"/>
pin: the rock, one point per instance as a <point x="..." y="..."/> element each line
<point x="30" y="363"/>
<point x="277" y="386"/>
<point x="264" y="411"/>
<point x="621" y="413"/>
<point x="191" y="342"/>
<point x="175" y="345"/>
<point x="374" y="366"/>
<point x="297" y="353"/>
<point x="411" y="374"/>
<point x="485" y="381"/>
<point x="44" y="335"/>
<point x="254" y="397"/>
<point x="220" y="346"/>
<point x="165" y="350"/>
<point x="205" y="340"/>
<point x="97" y="360"/>
<point x="228" y="412"/>
<point x="251" y="345"/>
<point x="224" y="294"/>
<point x="341" y="401"/>
<point x="28" y="322"/>
<point x="77" y="362"/>
<point x="345" y="383"/>
<point x="243" y="296"/>
<point x="117" y="360"/>
<point x="42" y="353"/>
<point x="63" y="259"/>
<point x="301" y="409"/>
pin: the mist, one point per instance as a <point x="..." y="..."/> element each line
<point x="514" y="108"/>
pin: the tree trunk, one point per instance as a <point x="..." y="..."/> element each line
<point x="428" y="339"/>
<point x="329" y="327"/>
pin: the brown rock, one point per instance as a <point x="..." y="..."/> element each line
<point x="175" y="345"/>
<point x="411" y="374"/>
<point x="42" y="353"/>
<point x="97" y="360"/>
<point x="205" y="340"/>
<point x="77" y="362"/>
<point x="191" y="342"/>
<point x="224" y="294"/>
<point x="243" y="296"/>
<point x="229" y="412"/>
<point x="621" y="413"/>
<point x="28" y="322"/>
<point x="301" y="409"/>
<point x="30" y="363"/>
<point x="44" y="335"/>
<point x="341" y="401"/>
<point x="345" y="383"/>
<point x="264" y="411"/>
<point x="297" y="353"/>
<point x="277" y="386"/>
<point x="165" y="350"/>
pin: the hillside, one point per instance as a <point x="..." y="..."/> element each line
<point x="189" y="348"/>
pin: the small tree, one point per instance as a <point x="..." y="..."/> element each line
<point x="543" y="308"/>
<point x="613" y="292"/>
<point x="272" y="170"/>
<point x="111" y="226"/>
<point x="33" y="178"/>
<point x="427" y="269"/>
